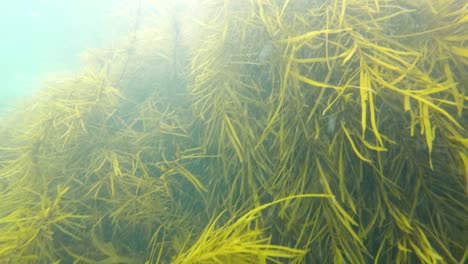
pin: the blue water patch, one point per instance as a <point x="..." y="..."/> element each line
<point x="46" y="37"/>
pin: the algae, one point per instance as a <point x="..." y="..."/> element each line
<point x="261" y="132"/>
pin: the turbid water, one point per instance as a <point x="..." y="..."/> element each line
<point x="239" y="131"/>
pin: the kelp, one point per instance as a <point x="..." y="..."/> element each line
<point x="257" y="132"/>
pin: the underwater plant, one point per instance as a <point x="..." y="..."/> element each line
<point x="258" y="131"/>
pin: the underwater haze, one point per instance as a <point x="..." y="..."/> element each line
<point x="234" y="131"/>
<point x="41" y="38"/>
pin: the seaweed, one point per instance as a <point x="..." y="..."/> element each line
<point x="260" y="132"/>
